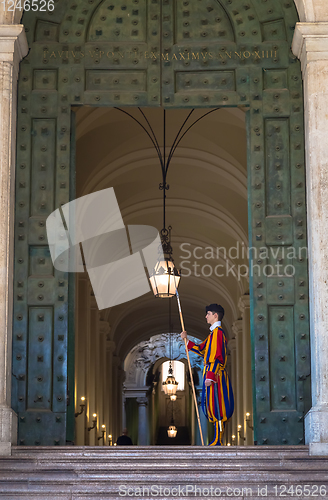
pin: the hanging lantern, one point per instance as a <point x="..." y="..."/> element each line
<point x="165" y="278"/>
<point x="172" y="431"/>
<point x="173" y="397"/>
<point x="170" y="385"/>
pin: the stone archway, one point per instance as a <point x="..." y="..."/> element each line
<point x="142" y="363"/>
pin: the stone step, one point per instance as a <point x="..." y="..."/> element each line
<point x="162" y="472"/>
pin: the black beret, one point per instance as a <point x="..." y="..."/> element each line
<point x="215" y="308"/>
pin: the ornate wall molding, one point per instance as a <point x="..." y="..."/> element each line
<point x="146" y="353"/>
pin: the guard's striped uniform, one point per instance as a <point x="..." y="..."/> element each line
<point x="217" y="399"/>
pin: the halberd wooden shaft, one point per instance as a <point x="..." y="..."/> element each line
<point x="190" y="372"/>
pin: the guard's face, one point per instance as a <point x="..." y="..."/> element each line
<point x="211" y="317"/>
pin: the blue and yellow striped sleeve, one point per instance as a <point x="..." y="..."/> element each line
<point x="197" y="349"/>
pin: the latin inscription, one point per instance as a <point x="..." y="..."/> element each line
<point x="223" y="55"/>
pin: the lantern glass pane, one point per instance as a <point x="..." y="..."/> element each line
<point x="173" y="283"/>
<point x="171" y="389"/>
<point x="153" y="284"/>
<point x="163" y="281"/>
<point x="172" y="431"/>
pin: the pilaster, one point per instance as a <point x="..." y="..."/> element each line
<point x="228" y="428"/>
<point x="237" y="328"/>
<point x="110" y="348"/>
<point x="244" y="307"/>
<point x="92" y="364"/>
<point x="310" y="45"/>
<point x="81" y="356"/>
<point x="232" y="345"/>
<point x="116" y="422"/>
<point x="13" y="47"/>
<point x="101" y="383"/>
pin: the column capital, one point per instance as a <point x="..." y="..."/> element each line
<point x="310" y="43"/>
<point x="13" y="43"/>
<point x="244" y="302"/>
<point x="232" y="344"/>
<point x="237" y="327"/>
<point x="142" y="401"/>
<point x="104" y="327"/>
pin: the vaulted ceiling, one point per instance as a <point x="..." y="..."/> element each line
<point x="206" y="206"/>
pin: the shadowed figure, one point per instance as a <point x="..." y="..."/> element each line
<point x="124" y="440"/>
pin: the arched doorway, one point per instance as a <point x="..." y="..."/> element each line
<point x="199" y="55"/>
<point x="146" y="367"/>
<point x="206" y="206"/>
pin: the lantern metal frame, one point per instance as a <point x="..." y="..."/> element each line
<point x="170" y="385"/>
<point x="165" y="277"/>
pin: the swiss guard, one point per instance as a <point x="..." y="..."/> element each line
<point x="217" y="396"/>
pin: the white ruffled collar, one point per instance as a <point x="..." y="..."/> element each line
<point x="215" y="325"/>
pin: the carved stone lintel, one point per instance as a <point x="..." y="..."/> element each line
<point x="310" y="43"/>
<point x="13" y="45"/>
